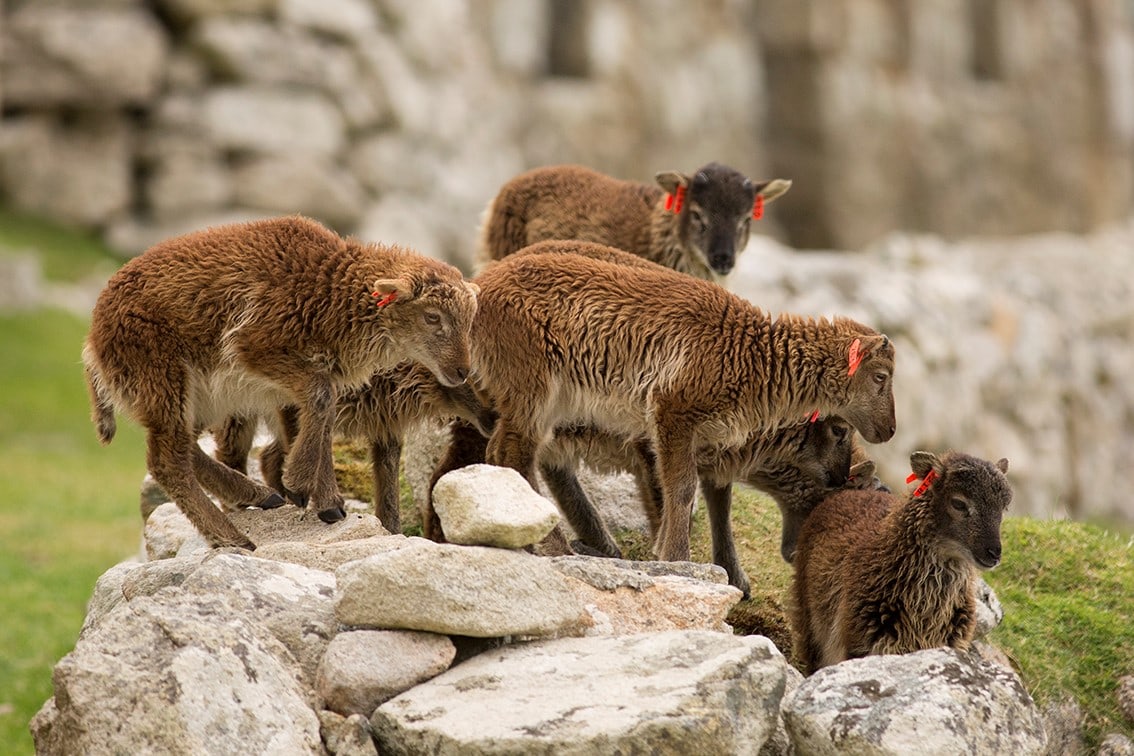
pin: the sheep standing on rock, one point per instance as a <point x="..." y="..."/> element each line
<point x="380" y="413"/>
<point x="645" y="352"/>
<point x="694" y="224"/>
<point x="248" y="318"/>
<point x="876" y="575"/>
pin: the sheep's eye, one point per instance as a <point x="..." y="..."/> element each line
<point x="697" y="219"/>
<point x="880" y="378"/>
<point x="960" y="505"/>
<point x="432" y="318"/>
<point x="839" y="432"/>
<point x="742" y="227"/>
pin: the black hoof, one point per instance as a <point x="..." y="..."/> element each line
<point x="333" y="514"/>
<point x="298" y="499"/>
<point x="273" y="501"/>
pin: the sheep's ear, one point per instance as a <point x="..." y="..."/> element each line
<point x="774" y="189"/>
<point x="921" y="462"/>
<point x="862" y="474"/>
<point x="1002" y="464"/>
<point x="473" y="288"/>
<point x="401" y="288"/>
<point x="875" y="345"/>
<point x="670" y="180"/>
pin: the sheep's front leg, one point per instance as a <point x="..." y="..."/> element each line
<point x="718" y="500"/>
<point x="579" y="510"/>
<point x="309" y="474"/>
<point x="677" y="470"/>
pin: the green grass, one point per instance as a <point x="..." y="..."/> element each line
<point x="69" y="513"/>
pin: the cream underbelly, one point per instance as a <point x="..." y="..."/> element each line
<point x="234" y="391"/>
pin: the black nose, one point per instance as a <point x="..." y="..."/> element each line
<point x="461" y="373"/>
<point x="993" y="553"/>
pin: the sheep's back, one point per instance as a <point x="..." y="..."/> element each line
<point x="569" y="202"/>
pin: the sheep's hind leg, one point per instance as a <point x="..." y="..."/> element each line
<point x="718" y="500"/>
<point x="170" y="459"/>
<point x="677" y="469"/>
<point x="234" y="441"/>
<point x="231" y="487"/>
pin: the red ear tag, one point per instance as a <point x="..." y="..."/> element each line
<point x="854" y="356"/>
<point x="668" y="201"/>
<point x="813" y="416"/>
<point x="678" y="200"/>
<point x="929" y="478"/>
<point x="385" y="299"/>
<point x="758" y="207"/>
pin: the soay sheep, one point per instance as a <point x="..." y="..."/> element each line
<point x="645" y="352"/>
<point x="879" y="575"/>
<point x="381" y="412"/>
<point x="248" y="318"/>
<point x="694" y="224"/>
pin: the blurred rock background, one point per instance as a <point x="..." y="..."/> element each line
<point x="917" y="134"/>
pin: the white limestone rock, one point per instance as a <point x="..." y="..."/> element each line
<point x="674" y="692"/>
<point x="484" y="505"/>
<point x="934" y="701"/>
<point x="458" y="590"/>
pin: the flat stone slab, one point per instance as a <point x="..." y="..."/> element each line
<point x="680" y="692"/>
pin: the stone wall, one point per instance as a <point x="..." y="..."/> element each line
<point x="398" y="120"/>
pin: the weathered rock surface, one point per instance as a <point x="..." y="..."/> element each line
<point x="935" y="701"/>
<point x="177" y="676"/>
<point x="675" y="692"/>
<point x="362" y="669"/>
<point x="482" y="505"/>
<point x="623" y="600"/>
<point x="462" y="590"/>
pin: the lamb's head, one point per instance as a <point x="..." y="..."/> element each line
<point x="432" y="313"/>
<point x="869" y="404"/>
<point x="812" y="460"/>
<point x="967" y="497"/>
<point x="715" y="208"/>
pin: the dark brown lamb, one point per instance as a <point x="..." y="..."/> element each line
<point x="879" y="575"/>
<point x="694" y="224"/>
<point x="392" y="403"/>
<point x="641" y="351"/>
<point x="248" y="318"/>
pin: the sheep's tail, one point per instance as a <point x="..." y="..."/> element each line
<point x="102" y="408"/>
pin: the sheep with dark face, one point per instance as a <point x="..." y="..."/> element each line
<point x="694" y="224"/>
<point x="248" y="318"/>
<point x="381" y="412"/>
<point x="879" y="575"/>
<point x="643" y="352"/>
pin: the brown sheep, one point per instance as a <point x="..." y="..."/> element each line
<point x="381" y="413"/>
<point x="805" y="459"/>
<point x="696" y="225"/>
<point x="879" y="575"/>
<point x="247" y="318"/>
<point x="644" y="352"/>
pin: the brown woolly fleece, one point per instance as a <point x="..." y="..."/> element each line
<point x="644" y="352"/>
<point x="248" y="318"/>
<point x="879" y="575"/>
<point x="392" y="403"/>
<point x="572" y="202"/>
